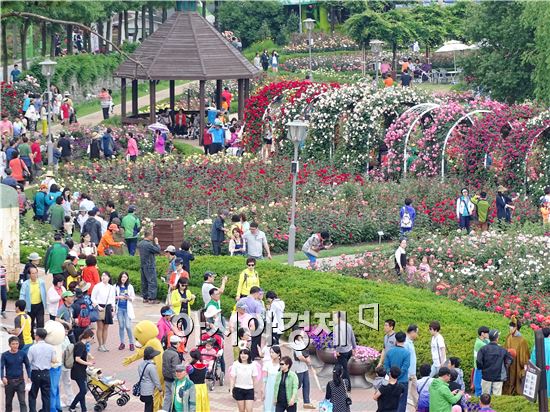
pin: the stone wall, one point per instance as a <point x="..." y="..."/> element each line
<point x="80" y="93"/>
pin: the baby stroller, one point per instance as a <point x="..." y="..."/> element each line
<point x="104" y="387"/>
<point x="212" y="358"/>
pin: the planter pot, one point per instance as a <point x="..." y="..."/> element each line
<point x="357" y="371"/>
<point x="326" y="356"/>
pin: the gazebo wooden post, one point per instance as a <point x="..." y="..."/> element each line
<point x="202" y="88"/>
<point x="152" y="101"/>
<point x="123" y="98"/>
<point x="219" y="86"/>
<point x="246" y="89"/>
<point x="172" y="95"/>
<point x="135" y="97"/>
<point x="240" y="98"/>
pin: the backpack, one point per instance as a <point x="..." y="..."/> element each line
<point x="68" y="356"/>
<point x="406" y="221"/>
<point x="83" y="319"/>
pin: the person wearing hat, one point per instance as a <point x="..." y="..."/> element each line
<point x="95" y="147"/>
<point x="149" y="378"/>
<point x="81" y="219"/>
<point x="107" y="242"/>
<point x="170" y="253"/>
<point x="170" y="360"/>
<point x="40" y="203"/>
<point x="165" y="325"/>
<point x="48" y="179"/>
<point x="491" y="359"/>
<point x="183" y="390"/>
<point x="518" y="347"/>
<point x="81" y="299"/>
<point x="65" y="313"/>
<point x="33" y="261"/>
<point x="131" y="226"/>
<point x="218" y="137"/>
<point x="208" y="285"/>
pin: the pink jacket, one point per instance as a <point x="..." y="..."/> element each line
<point x="159" y="145"/>
<point x="164" y="327"/>
<point x="132" y="149"/>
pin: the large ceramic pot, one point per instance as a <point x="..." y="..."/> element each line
<point x="358" y="371"/>
<point x="326" y="356"/>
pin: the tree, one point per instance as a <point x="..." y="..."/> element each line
<point x="244" y="18"/>
<point x="536" y="16"/>
<point x="396" y="27"/>
<point x="500" y="65"/>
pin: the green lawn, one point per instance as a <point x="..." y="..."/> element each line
<point x="89" y="107"/>
<point x="340" y="250"/>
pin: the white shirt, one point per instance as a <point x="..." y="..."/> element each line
<point x="275" y="314"/>
<point x="81" y="219"/>
<point x="53" y="299"/>
<point x="255" y="243"/>
<point x="49" y="181"/>
<point x="206" y="288"/>
<point x="88" y="204"/>
<point x="103" y="294"/>
<point x="437" y="343"/>
<point x="244" y="374"/>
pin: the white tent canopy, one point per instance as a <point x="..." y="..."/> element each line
<point x="454" y="46"/>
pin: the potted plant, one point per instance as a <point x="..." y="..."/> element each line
<point x="363" y="359"/>
<point x="323" y="344"/>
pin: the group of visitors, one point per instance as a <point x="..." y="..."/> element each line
<point x="264" y="61"/>
<point x="410" y="72"/>
<point x="499" y="369"/>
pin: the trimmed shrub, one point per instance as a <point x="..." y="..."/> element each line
<point x="304" y="290"/>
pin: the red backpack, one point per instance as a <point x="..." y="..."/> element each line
<point x="83" y="319"/>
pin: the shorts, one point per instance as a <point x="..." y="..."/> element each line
<point x="240" y="394"/>
<point x="268" y="141"/>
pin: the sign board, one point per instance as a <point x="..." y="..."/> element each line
<point x="531" y="382"/>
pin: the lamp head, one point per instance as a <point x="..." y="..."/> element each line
<point x="376" y="46"/>
<point x="48" y="67"/>
<point x="309" y="24"/>
<point x="297" y="130"/>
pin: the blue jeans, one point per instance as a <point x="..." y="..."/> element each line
<point x="403" y="400"/>
<point x="55" y="398"/>
<point x="312" y="259"/>
<point x="465" y="223"/>
<point x="303" y="382"/>
<point x="131" y="244"/>
<point x="477" y="381"/>
<point x="124" y="324"/>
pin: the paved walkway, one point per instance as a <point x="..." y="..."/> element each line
<point x="220" y="399"/>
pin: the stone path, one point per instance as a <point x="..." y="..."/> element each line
<point x="220" y="400"/>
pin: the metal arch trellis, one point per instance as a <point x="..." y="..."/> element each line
<point x="466" y="116"/>
<point x="539" y="134"/>
<point x="419" y="111"/>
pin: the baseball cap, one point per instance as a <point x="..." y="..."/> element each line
<point x="167" y="312"/>
<point x="170" y="248"/>
<point x="178" y="261"/>
<point x="493" y="334"/>
<point x="209" y="274"/>
<point x="131" y="208"/>
<point x="67" y="294"/>
<point x="180" y="367"/>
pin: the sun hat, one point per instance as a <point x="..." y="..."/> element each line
<point x="49" y="173"/>
<point x="175" y="339"/>
<point x="66" y="94"/>
<point x="84" y="286"/>
<point x="34" y="256"/>
<point x="501" y="188"/>
<point x="212" y="311"/>
<point x="167" y="312"/>
<point x="170" y="248"/>
<point x="67" y="294"/>
<point x="149" y="353"/>
<point x="81" y="262"/>
<point x="217" y="122"/>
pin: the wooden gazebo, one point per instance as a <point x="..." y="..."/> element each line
<point x="185" y="47"/>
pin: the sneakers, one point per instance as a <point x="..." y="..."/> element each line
<point x="132" y="347"/>
<point x="121" y="346"/>
<point x="3" y="315"/>
<point x="309" y="406"/>
<point x="102" y="348"/>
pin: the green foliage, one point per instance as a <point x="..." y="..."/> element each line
<point x="249" y="22"/>
<point x="500" y="65"/>
<point x="259" y="47"/>
<point x="536" y="16"/>
<point x="304" y="290"/>
<point x="511" y="404"/>
<point x="85" y="68"/>
<point x="186" y="149"/>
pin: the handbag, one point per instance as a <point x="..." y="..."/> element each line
<point x="136" y="389"/>
<point x="326" y="406"/>
<point x="93" y="313"/>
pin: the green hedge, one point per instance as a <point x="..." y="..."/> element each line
<point x="316" y="291"/>
<point x="511" y="404"/>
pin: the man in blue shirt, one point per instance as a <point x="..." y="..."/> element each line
<point x="218" y="137"/>
<point x="12" y="362"/>
<point x="399" y="356"/>
<point x="15" y="73"/>
<point x="412" y="335"/>
<point x="212" y="113"/>
<point x="8" y="180"/>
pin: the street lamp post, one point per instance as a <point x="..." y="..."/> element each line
<point x="297" y="130"/>
<point x="48" y="69"/>
<point x="376" y="48"/>
<point x="309" y="24"/>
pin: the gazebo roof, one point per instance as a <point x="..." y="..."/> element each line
<point x="186" y="47"/>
